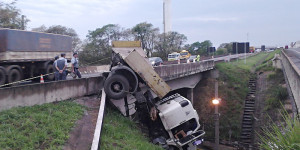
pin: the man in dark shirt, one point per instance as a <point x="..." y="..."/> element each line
<point x="61" y="65"/>
<point x="55" y="70"/>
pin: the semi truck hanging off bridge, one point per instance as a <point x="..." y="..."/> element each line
<point x="171" y="119"/>
<point x="25" y="54"/>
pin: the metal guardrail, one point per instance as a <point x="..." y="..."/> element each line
<point x="97" y="133"/>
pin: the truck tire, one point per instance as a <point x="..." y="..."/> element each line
<point x="2" y="76"/>
<point x="116" y="86"/>
<point x="14" y="75"/>
<point x="50" y="69"/>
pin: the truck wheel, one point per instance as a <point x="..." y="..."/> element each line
<point x="50" y="69"/>
<point x="116" y="86"/>
<point x="14" y="75"/>
<point x="2" y="76"/>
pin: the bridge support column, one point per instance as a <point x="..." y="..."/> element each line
<point x="190" y="95"/>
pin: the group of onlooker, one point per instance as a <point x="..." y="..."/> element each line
<point x="60" y="65"/>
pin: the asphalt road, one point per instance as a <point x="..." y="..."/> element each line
<point x="294" y="55"/>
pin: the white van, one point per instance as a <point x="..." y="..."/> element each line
<point x="173" y="56"/>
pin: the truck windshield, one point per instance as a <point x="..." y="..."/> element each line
<point x="172" y="56"/>
<point x="183" y="53"/>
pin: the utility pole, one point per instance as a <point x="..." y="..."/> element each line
<point x="245" y="48"/>
<point x="245" y="52"/>
<point x="23" y="22"/>
<point x="236" y="50"/>
<point x="216" y="103"/>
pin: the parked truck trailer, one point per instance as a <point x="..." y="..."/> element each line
<point x="25" y="54"/>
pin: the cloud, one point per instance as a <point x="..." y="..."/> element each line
<point x="208" y="19"/>
<point x="75" y="7"/>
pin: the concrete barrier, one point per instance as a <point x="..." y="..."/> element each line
<point x="36" y="94"/>
<point x="293" y="76"/>
<point x="170" y="72"/>
<point x="93" y="69"/>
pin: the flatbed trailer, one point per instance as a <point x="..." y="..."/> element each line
<point x="25" y="54"/>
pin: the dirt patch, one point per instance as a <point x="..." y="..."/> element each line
<point x="263" y="116"/>
<point x="261" y="87"/>
<point x="82" y="134"/>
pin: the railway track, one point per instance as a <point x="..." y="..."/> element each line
<point x="246" y="137"/>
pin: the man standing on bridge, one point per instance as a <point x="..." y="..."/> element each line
<point x="56" y="71"/>
<point x="61" y="65"/>
<point x="75" y="65"/>
<point x="198" y="57"/>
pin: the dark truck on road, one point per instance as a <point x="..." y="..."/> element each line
<point x="172" y="121"/>
<point x="25" y="54"/>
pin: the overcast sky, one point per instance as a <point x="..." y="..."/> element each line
<point x="269" y="22"/>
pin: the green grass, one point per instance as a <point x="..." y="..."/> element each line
<point x="120" y="133"/>
<point x="233" y="88"/>
<point x="266" y="65"/>
<point x="282" y="136"/>
<point x="44" y="126"/>
<point x="276" y="94"/>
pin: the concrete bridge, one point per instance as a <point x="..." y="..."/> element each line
<point x="178" y="76"/>
<point x="32" y="94"/>
<point x="290" y="60"/>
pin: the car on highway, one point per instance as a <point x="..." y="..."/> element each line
<point x="155" y="61"/>
<point x="192" y="58"/>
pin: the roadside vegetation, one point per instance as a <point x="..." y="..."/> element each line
<point x="276" y="92"/>
<point x="233" y="88"/>
<point x="120" y="133"/>
<point x="278" y="130"/>
<point x="282" y="136"/>
<point x="44" y="126"/>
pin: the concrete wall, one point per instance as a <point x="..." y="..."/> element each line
<point x="293" y="76"/>
<point x="276" y="61"/>
<point x="94" y="69"/>
<point x="29" y="95"/>
<point x="171" y="72"/>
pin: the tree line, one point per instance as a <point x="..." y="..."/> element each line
<point x="97" y="44"/>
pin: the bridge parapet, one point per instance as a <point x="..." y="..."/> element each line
<point x="293" y="76"/>
<point x="171" y="72"/>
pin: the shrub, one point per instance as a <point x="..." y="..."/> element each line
<point x="284" y="136"/>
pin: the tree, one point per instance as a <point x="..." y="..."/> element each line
<point x="11" y="17"/>
<point x="204" y="46"/>
<point x="98" y="43"/>
<point x="58" y="29"/>
<point x="199" y="48"/>
<point x="147" y="34"/>
<point x="227" y="47"/>
<point x="221" y="51"/>
<point x="169" y="42"/>
<point x="194" y="48"/>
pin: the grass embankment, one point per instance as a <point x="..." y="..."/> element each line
<point x="276" y="92"/>
<point x="120" y="133"/>
<point x="282" y="136"/>
<point x="279" y="130"/>
<point x="233" y="88"/>
<point x="44" y="126"/>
